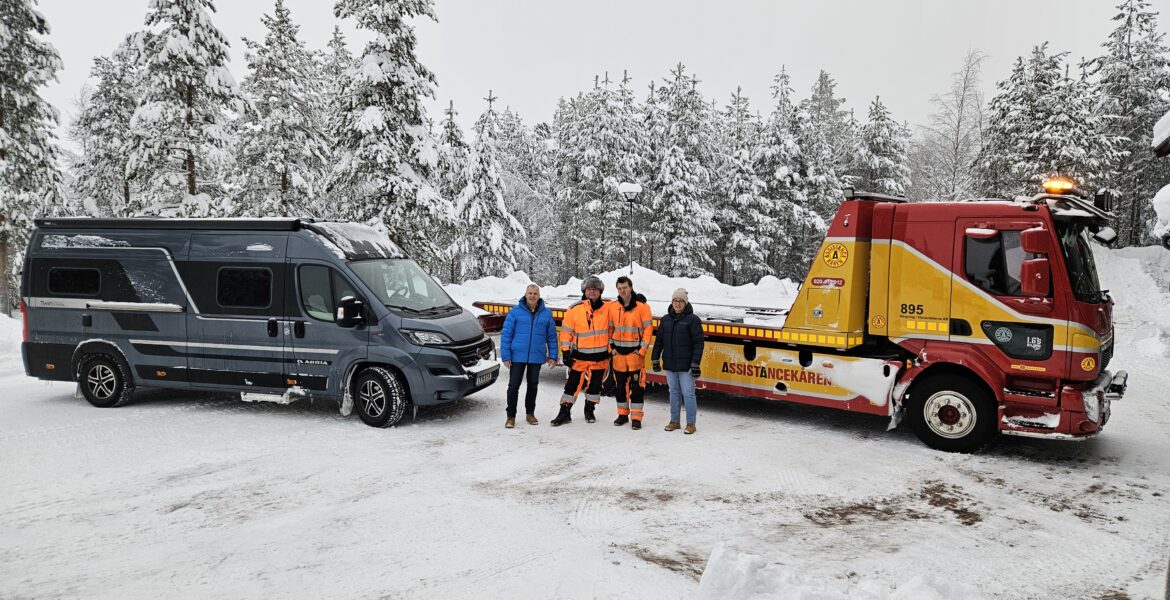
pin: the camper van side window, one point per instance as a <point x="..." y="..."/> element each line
<point x="244" y="287"/>
<point x="317" y="292"/>
<point x="75" y="282"/>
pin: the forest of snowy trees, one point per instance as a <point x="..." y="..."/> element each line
<point x="735" y="188"/>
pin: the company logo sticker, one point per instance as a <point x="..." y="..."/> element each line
<point x="828" y="282"/>
<point x="836" y="255"/>
<point x="1003" y="335"/>
<point x="878" y="321"/>
<point x="1088" y="364"/>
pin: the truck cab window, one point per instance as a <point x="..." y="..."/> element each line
<point x="994" y="264"/>
<point x="321" y="288"/>
<point x="244" y="287"/>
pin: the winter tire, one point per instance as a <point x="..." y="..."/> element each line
<point x="952" y="414"/>
<point x="104" y="382"/>
<point x="380" y="397"/>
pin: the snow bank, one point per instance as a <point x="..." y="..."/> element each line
<point x="1161" y="131"/>
<point x="1162" y="209"/>
<point x="1137" y="279"/>
<point x="768" y="293"/>
<point x="10" y="335"/>
<point x="732" y="575"/>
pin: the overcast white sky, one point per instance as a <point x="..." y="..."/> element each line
<point x="531" y="52"/>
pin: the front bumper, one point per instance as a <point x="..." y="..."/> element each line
<point x="1084" y="411"/>
<point x="445" y="378"/>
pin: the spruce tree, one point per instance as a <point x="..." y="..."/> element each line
<point x="29" y="179"/>
<point x="1133" y="76"/>
<point x="102" y="129"/>
<point x="387" y="155"/>
<point x="449" y="176"/>
<point x="744" y="214"/>
<point x="884" y="153"/>
<point x="282" y="149"/>
<point x="181" y="129"/>
<point x="492" y="242"/>
<point x="335" y="61"/>
<point x="777" y="161"/>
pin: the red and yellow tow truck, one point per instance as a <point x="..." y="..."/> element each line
<point x="969" y="319"/>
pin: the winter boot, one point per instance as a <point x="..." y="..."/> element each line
<point x="531" y="419"/>
<point x="635" y="424"/>
<point x="510" y="423"/>
<point x="690" y="429"/>
<point x="589" y="417"/>
<point x="563" y="416"/>
<point x="621" y="420"/>
<point x="671" y="426"/>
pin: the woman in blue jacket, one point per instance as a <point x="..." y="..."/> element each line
<point x="528" y="340"/>
<point x="679" y="341"/>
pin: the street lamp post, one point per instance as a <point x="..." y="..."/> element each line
<point x="630" y="191"/>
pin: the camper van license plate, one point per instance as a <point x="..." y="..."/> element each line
<point x="483" y="378"/>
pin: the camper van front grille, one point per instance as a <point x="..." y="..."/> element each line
<point x="471" y="353"/>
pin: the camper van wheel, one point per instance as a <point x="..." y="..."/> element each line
<point x="952" y="413"/>
<point x="104" y="382"/>
<point x="379" y="397"/>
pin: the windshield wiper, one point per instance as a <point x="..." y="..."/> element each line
<point x="406" y="308"/>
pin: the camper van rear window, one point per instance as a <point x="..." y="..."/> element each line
<point x="75" y="282"/>
<point x="244" y="287"/>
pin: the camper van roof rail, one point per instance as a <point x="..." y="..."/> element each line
<point x="276" y="224"/>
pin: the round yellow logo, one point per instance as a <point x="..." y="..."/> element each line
<point x="836" y="255"/>
<point x="878" y="321"/>
<point x="1088" y="364"/>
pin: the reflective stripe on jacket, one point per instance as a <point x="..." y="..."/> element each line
<point x="633" y="325"/>
<point x="585" y="331"/>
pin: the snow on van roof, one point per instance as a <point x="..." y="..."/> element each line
<point x="357" y="241"/>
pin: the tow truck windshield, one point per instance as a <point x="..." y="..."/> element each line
<point x="1078" y="256"/>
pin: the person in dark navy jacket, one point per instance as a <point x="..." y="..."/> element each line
<point x="528" y="340"/>
<point x="679" y="341"/>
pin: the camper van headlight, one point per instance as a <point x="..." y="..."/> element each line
<point x="426" y="338"/>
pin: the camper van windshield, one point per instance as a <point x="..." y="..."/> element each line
<point x="403" y="286"/>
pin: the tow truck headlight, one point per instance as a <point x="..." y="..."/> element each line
<point x="426" y="338"/>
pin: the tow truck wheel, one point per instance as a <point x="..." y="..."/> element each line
<point x="380" y="397"/>
<point x="952" y="413"/>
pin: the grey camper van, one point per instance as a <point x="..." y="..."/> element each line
<point x="277" y="309"/>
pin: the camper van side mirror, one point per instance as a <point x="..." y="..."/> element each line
<point x="350" y="312"/>
<point x="1035" y="278"/>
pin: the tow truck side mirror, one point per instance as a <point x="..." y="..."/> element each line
<point x="1036" y="278"/>
<point x="1036" y="241"/>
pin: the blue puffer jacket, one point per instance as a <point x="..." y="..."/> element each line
<point x="529" y="337"/>
<point x="679" y="340"/>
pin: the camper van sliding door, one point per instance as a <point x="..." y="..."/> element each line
<point x="238" y="339"/>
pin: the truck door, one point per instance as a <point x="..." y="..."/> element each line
<point x="238" y="339"/>
<point x="317" y="343"/>
<point x="989" y="305"/>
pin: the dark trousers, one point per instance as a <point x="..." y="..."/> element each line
<point x="515" y="374"/>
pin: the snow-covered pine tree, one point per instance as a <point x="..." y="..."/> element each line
<point x="686" y="218"/>
<point x="493" y="240"/>
<point x="1133" y="76"/>
<point x="884" y="153"/>
<point x="181" y="128"/>
<point x="387" y="154"/>
<point x="334" y="61"/>
<point x="947" y="150"/>
<point x="835" y="123"/>
<point x="524" y="162"/>
<point x="449" y="176"/>
<point x="29" y="178"/>
<point x="102" y="130"/>
<point x="777" y="161"/>
<point x="1004" y="138"/>
<point x="282" y="149"/>
<point x="744" y="212"/>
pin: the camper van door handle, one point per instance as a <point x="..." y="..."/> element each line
<point x="299" y="329"/>
<point x="272" y="328"/>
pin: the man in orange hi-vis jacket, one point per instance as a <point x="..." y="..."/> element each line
<point x="584" y="340"/>
<point x="633" y="330"/>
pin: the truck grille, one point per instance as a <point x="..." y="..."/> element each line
<point x="471" y="352"/>
<point x="1106" y="355"/>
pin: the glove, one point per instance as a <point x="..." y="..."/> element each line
<point x="568" y="360"/>
<point x="696" y="371"/>
<point x="656" y="365"/>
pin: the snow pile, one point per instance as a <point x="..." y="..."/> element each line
<point x="732" y="575"/>
<point x="10" y="336"/>
<point x="769" y="293"/>
<point x="1137" y="280"/>
<point x="81" y="241"/>
<point x="1161" y="131"/>
<point x="1162" y="209"/>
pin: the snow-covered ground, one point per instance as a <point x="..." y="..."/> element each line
<point x="190" y="495"/>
